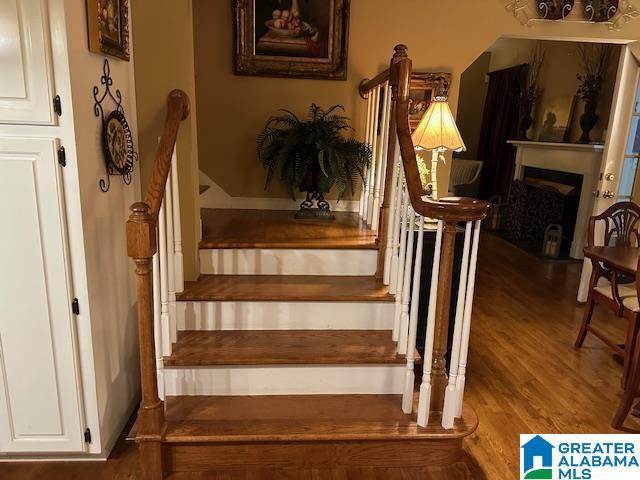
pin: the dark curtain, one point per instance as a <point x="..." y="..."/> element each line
<point x="499" y="124"/>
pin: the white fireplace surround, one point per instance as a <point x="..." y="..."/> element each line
<point x="576" y="158"/>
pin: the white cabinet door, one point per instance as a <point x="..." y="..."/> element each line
<point x="26" y="78"/>
<point x="40" y="406"/>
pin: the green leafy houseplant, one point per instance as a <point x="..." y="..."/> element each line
<point x="312" y="155"/>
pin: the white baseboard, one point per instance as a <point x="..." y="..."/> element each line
<point x="216" y="197"/>
<point x="285" y="315"/>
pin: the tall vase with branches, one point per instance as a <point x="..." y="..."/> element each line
<point x="530" y="90"/>
<point x="595" y="59"/>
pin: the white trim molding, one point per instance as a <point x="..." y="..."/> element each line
<point x="217" y="197"/>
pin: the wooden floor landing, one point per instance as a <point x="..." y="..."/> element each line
<point x="297" y="418"/>
<point x="279" y="229"/>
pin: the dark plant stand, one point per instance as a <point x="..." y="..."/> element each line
<point x="311" y="185"/>
<point x="323" y="209"/>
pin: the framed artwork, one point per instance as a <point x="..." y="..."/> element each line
<point x="108" y="26"/>
<point x="423" y="88"/>
<point x="291" y="38"/>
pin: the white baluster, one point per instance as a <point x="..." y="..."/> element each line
<point x="375" y="146"/>
<point x="382" y="158"/>
<point x="365" y="187"/>
<point x="400" y="271"/>
<point x="164" y="283"/>
<point x="425" y="386"/>
<point x="393" y="284"/>
<point x="177" y="226"/>
<point x="171" y="276"/>
<point x="449" y="412"/>
<point x="373" y="95"/>
<point x="466" y="329"/>
<point x="157" y="322"/>
<point x="386" y="277"/>
<point x="406" y="285"/>
<point x="407" y="397"/>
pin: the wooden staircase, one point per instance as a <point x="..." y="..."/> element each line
<point x="293" y="349"/>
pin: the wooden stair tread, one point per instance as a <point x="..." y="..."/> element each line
<point x="295" y="288"/>
<point x="284" y="347"/>
<point x="227" y="228"/>
<point x="204" y="188"/>
<point x="298" y="418"/>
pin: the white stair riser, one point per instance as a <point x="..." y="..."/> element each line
<point x="285" y="380"/>
<point x="250" y="261"/>
<point x="285" y="315"/>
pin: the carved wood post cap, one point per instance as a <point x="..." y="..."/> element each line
<point x="181" y="96"/>
<point x="400" y="51"/>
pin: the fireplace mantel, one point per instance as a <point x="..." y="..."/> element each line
<point x="571" y="158"/>
<point x="580" y="147"/>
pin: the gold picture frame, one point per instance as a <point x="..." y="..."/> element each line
<point x="108" y="27"/>
<point x="309" y="40"/>
<point x="423" y="88"/>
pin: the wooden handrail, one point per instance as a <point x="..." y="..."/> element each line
<point x="447" y="209"/>
<point x="367" y="85"/>
<point x="141" y="247"/>
<point x="177" y="111"/>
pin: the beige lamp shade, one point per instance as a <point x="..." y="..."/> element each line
<point x="437" y="130"/>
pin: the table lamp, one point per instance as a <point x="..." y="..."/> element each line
<point x="437" y="131"/>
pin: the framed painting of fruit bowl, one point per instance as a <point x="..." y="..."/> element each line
<point x="291" y="38"/>
<point x="108" y="22"/>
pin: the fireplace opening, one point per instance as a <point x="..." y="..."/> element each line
<point x="543" y="197"/>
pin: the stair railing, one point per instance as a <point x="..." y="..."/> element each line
<point x="143" y="237"/>
<point x="168" y="272"/>
<point x="404" y="217"/>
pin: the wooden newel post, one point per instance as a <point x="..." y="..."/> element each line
<point x="439" y="378"/>
<point x="141" y="246"/>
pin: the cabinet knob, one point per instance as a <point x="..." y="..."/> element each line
<point x="608" y="194"/>
<point x="609" y="177"/>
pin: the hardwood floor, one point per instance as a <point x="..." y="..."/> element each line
<point x="525" y="376"/>
<point x="279" y="229"/>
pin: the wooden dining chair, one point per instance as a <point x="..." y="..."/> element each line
<point x="631" y="307"/>
<point x="621" y="224"/>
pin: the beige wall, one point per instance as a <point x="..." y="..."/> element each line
<point x="473" y="92"/>
<point x="439" y="38"/>
<point x="163" y="39"/>
<point x="558" y="79"/>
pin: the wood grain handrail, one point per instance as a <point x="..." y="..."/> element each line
<point x="177" y="110"/>
<point x="367" y="85"/>
<point x="452" y="209"/>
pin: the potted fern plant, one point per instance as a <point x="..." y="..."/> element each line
<point x="312" y="156"/>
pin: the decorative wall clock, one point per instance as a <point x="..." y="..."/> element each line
<point x="117" y="140"/>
